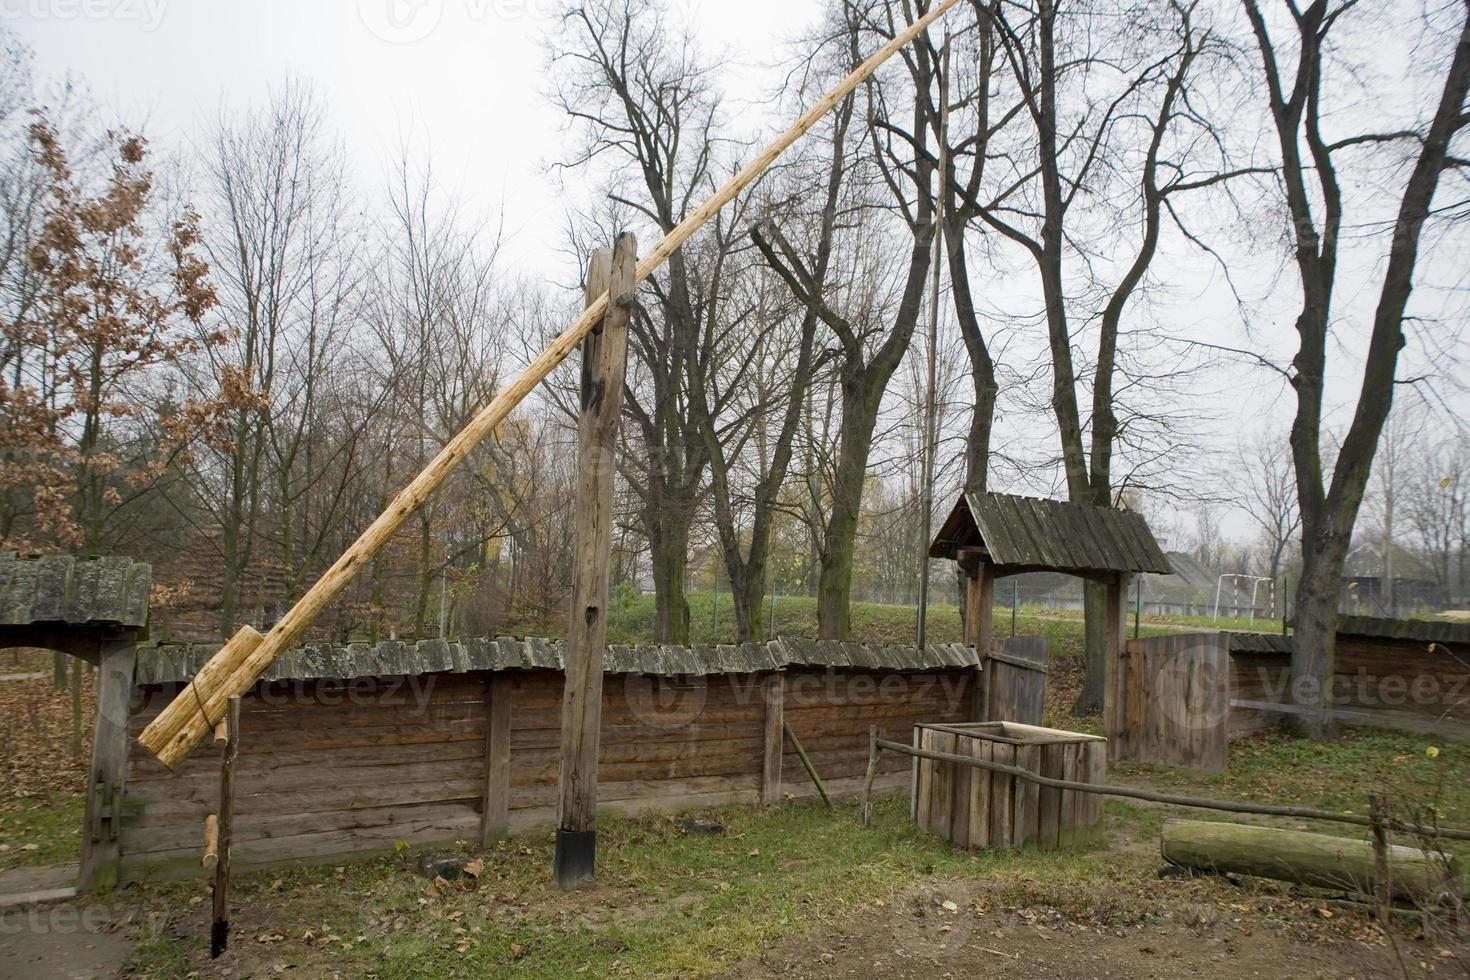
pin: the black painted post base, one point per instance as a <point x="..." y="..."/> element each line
<point x="219" y="939"/>
<point x="576" y="857"/>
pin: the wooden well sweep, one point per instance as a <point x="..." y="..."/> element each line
<point x="978" y="809"/>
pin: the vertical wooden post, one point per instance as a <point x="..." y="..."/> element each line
<point x="870" y="775"/>
<point x="100" y="848"/>
<point x="773" y="690"/>
<point x="980" y="628"/>
<point x="1114" y="650"/>
<point x="495" y="805"/>
<point x="604" y="366"/>
<point x="1382" y="870"/>
<point x="219" y="930"/>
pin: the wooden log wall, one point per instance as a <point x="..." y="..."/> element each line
<point x="830" y="714"/>
<point x="1256" y="676"/>
<point x="1403" y="676"/>
<point x="329" y="769"/>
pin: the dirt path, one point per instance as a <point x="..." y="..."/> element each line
<point x="60" y="942"/>
<point x="954" y="932"/>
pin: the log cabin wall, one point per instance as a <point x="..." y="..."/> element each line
<point x="331" y="767"/>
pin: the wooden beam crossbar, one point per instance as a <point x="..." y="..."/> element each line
<point x="1128" y="792"/>
<point x="185" y="722"/>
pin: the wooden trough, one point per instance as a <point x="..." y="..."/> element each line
<point x="978" y="809"/>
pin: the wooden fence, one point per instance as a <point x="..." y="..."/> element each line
<point x="342" y="765"/>
<point x="1173" y="698"/>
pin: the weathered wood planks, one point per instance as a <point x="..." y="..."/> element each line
<point x="1172" y="702"/>
<point x="604" y="365"/>
<point x="979" y="809"/>
<point x="331" y="770"/>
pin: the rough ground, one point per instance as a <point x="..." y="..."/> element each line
<point x="921" y="938"/>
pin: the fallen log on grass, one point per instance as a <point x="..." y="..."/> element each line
<point x="1319" y="860"/>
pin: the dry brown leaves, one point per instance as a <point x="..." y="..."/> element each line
<point x="35" y="731"/>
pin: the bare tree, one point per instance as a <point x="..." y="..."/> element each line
<point x="1311" y="180"/>
<point x="1269" y="498"/>
<point x="869" y="350"/>
<point x="1085" y="93"/>
<point x="639" y="93"/>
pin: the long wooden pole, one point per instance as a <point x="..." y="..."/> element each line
<point x="181" y="726"/>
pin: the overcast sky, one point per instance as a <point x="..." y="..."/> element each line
<point x="461" y="79"/>
<point x="463" y="82"/>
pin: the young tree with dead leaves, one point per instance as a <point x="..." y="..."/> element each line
<point x="116" y="305"/>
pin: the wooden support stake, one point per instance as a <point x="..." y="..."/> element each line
<point x="870" y="775"/>
<point x="211" y="841"/>
<point x="219" y="931"/>
<point x="806" y="762"/>
<point x="604" y="366"/>
<point x="495" y="805"/>
<point x="774" y="691"/>
<point x="105" y="788"/>
<point x="185" y="722"/>
<point x="1382" y="871"/>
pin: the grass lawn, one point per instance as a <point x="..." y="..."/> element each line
<point x="38" y="831"/>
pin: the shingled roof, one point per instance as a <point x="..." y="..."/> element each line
<point x="1419" y="630"/>
<point x="179" y="662"/>
<point x="63" y="589"/>
<point x="1029" y="534"/>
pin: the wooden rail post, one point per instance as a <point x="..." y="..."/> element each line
<point x="219" y="930"/>
<point x="100" y="848"/>
<point x="774" y="746"/>
<point x="495" y="806"/>
<point x="604" y="366"/>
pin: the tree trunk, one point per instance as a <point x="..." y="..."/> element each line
<point x="1319" y="860"/>
<point x="1314" y="644"/>
<point x="668" y="542"/>
<point x="834" y="586"/>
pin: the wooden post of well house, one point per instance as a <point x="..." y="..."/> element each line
<point x="1115" y="649"/>
<point x="604" y="365"/>
<point x="100" y="851"/>
<point x="979" y="623"/>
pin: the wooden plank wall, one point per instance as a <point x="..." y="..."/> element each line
<point x="333" y="768"/>
<point x="1403" y="676"/>
<point x="831" y="714"/>
<point x="1257" y="677"/>
<point x="1174" y="702"/>
<point x="1401" y="680"/>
